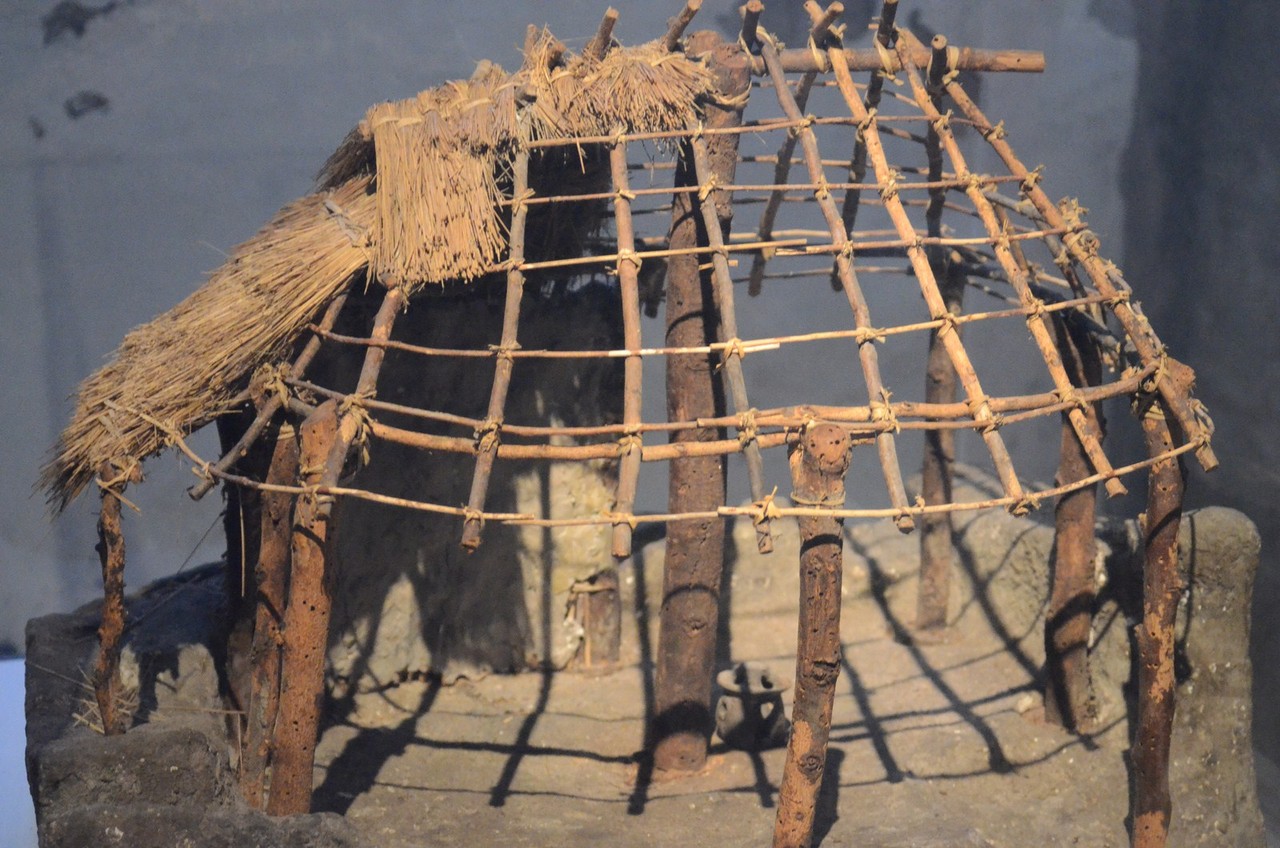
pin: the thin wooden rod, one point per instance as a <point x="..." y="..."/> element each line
<point x="968" y="59"/>
<point x="751" y="12"/>
<point x="886" y="445"/>
<point x="1161" y="590"/>
<point x="107" y="687"/>
<point x="489" y="433"/>
<point x="272" y="405"/>
<point x="929" y="286"/>
<point x="822" y="20"/>
<point x="677" y="25"/>
<point x="747" y="127"/>
<point x="730" y="446"/>
<point x="781" y="172"/>
<point x="633" y="368"/>
<point x="351" y="414"/>
<point x="731" y="356"/>
<point x="1082" y="417"/>
<point x="1106" y="279"/>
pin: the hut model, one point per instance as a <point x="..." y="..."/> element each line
<point x="625" y="176"/>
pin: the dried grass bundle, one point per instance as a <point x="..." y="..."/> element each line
<point x="183" y="367"/>
<point x="437" y="179"/>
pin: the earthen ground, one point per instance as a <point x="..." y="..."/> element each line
<point x="934" y="742"/>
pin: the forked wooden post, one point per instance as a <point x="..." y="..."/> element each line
<point x="106" y="672"/>
<point x="271" y="577"/>
<point x="306" y="629"/>
<point x="695" y="548"/>
<point x="1161" y="590"/>
<point x="818" y="466"/>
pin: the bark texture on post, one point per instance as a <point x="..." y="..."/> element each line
<point x="1068" y="699"/>
<point x="694" y="549"/>
<point x="818" y="467"/>
<point x="306" y="629"/>
<point x="271" y="577"/>
<point x="106" y="672"/>
<point x="1161" y="589"/>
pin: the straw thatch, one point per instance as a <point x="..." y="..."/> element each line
<point x="183" y="367"/>
<point x="440" y="157"/>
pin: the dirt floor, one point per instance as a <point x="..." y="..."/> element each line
<point x="937" y="744"/>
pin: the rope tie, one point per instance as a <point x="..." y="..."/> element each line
<point x="488" y="435"/>
<point x="765" y="510"/>
<point x="747" y="430"/>
<point x="353" y="406"/>
<point x="704" y="190"/>
<point x="865" y="123"/>
<point x="521" y="200"/>
<point x="862" y="335"/>
<point x="836" y="500"/>
<point x="1072" y="396"/>
<point x="1028" y="503"/>
<point x="882" y="412"/>
<point x="624" y="194"/>
<point x="269" y="380"/>
<point x="975" y="181"/>
<point x="889" y="189"/>
<point x="732" y="347"/>
<point x="473" y="516"/>
<point x="1032" y="179"/>
<point x="1035" y="310"/>
<point x="953" y="66"/>
<point x="846" y="248"/>
<point x="820" y="58"/>
<point x="942" y="123"/>
<point x="823" y="191"/>
<point x="696" y="135"/>
<point x="994" y="133"/>
<point x="628" y="443"/>
<point x="949" y="324"/>
<point x="888" y="62"/>
<point x="622" y="518"/>
<point x="357" y="235"/>
<point x="501" y="352"/>
<point x="980" y="411"/>
<point x="631" y="256"/>
<point x="1119" y="297"/>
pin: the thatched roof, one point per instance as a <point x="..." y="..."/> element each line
<point x="413" y="193"/>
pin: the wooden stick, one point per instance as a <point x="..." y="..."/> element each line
<point x="781" y="171"/>
<point x="306" y="629"/>
<point x="969" y="59"/>
<point x="1135" y="324"/>
<point x="272" y="574"/>
<point x="600" y="43"/>
<point x="717" y="212"/>
<point x="489" y="434"/>
<point x="822" y="19"/>
<point x="1082" y="419"/>
<point x="633" y="369"/>
<point x="818" y="467"/>
<point x="677" y="25"/>
<point x="106" y="673"/>
<point x="751" y="12"/>
<point x="688" y="625"/>
<point x="1068" y="697"/>
<point x="272" y="405"/>
<point x="886" y="446"/>
<point x="928" y="285"/>
<point x="350" y="425"/>
<point x="1161" y="590"/>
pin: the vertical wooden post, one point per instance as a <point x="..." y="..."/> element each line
<point x="106" y="673"/>
<point x="818" y="466"/>
<point x="306" y="629"/>
<point x="1161" y="589"/>
<point x="271" y="580"/>
<point x="695" y="549"/>
<point x="1068" y="699"/>
<point x="937" y="549"/>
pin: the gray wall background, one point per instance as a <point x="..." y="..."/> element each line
<point x="1159" y="115"/>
